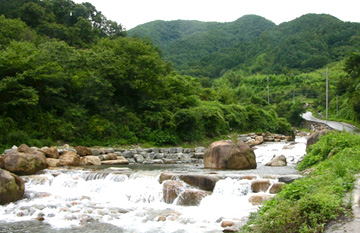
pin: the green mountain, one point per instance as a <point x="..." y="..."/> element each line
<point x="252" y="43"/>
<point x="80" y="80"/>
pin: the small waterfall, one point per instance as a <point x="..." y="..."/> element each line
<point x="232" y="187"/>
<point x="94" y="176"/>
<point x="66" y="198"/>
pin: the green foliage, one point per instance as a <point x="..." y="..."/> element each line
<point x="77" y="24"/>
<point x="116" y="91"/>
<point x="307" y="204"/>
<point x="329" y="145"/>
<point x="252" y="43"/>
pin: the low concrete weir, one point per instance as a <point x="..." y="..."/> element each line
<point x="131" y="198"/>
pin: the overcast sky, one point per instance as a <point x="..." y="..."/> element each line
<point x="131" y="13"/>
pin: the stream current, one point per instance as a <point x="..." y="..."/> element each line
<point x="130" y="199"/>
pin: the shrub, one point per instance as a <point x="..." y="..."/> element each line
<point x="307" y="204"/>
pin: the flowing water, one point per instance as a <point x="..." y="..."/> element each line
<point x="117" y="199"/>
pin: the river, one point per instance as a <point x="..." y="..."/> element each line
<point x="130" y="199"/>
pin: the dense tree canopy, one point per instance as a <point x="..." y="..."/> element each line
<point x="111" y="91"/>
<point x="73" y="76"/>
<point x="253" y="43"/>
<point x="77" y="24"/>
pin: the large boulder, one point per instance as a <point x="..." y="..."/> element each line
<point x="314" y="138"/>
<point x="53" y="162"/>
<point x="11" y="187"/>
<point x="277" y="161"/>
<point x="51" y="152"/>
<point x="69" y="158"/>
<point x="25" y="161"/>
<point x="82" y="150"/>
<point x="191" y="197"/>
<point x="171" y="190"/>
<point x="90" y="160"/>
<point x="2" y="163"/>
<point x="228" y="155"/>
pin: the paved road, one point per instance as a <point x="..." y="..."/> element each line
<point x="333" y="124"/>
<point x="350" y="225"/>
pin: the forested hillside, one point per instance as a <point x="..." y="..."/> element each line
<point x="253" y="44"/>
<point x="80" y="80"/>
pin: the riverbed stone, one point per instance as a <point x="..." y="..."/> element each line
<point x="315" y="138"/>
<point x="171" y="156"/>
<point x="191" y="197"/>
<point x="164" y="150"/>
<point x="26" y="161"/>
<point x="90" y="160"/>
<point x="248" y="177"/>
<point x="150" y="156"/>
<point x="2" y="163"/>
<point x="199" y="155"/>
<point x="230" y="230"/>
<point x="95" y="151"/>
<point x="119" y="160"/>
<point x="53" y="162"/>
<point x="139" y="158"/>
<point x="259" y="199"/>
<point x="70" y="158"/>
<point x="203" y="181"/>
<point x="131" y="160"/>
<point x="128" y="154"/>
<point x="227" y="224"/>
<point x="200" y="149"/>
<point x="82" y="150"/>
<point x="158" y="161"/>
<point x="171" y="190"/>
<point x="110" y="156"/>
<point x="159" y="155"/>
<point x="109" y="150"/>
<point x="276" y="187"/>
<point x="11" y="187"/>
<point x="173" y="150"/>
<point x="50" y="152"/>
<point x="260" y="185"/>
<point x="289" y="178"/>
<point x="227" y="155"/>
<point x="167" y="176"/>
<point x="277" y="161"/>
<point x="148" y="162"/>
<point x="168" y="161"/>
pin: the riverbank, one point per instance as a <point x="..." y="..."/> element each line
<point x="308" y="204"/>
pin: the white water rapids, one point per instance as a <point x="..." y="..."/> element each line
<point x="79" y="200"/>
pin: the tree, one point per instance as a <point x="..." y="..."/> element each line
<point x="32" y="14"/>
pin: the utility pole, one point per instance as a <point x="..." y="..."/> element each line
<point x="268" y="92"/>
<point x="327" y="92"/>
<point x="337" y="105"/>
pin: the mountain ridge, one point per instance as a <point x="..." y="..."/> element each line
<point x="211" y="48"/>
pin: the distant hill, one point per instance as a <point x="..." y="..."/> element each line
<point x="252" y="43"/>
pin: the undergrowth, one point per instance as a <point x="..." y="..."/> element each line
<point x="307" y="204"/>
